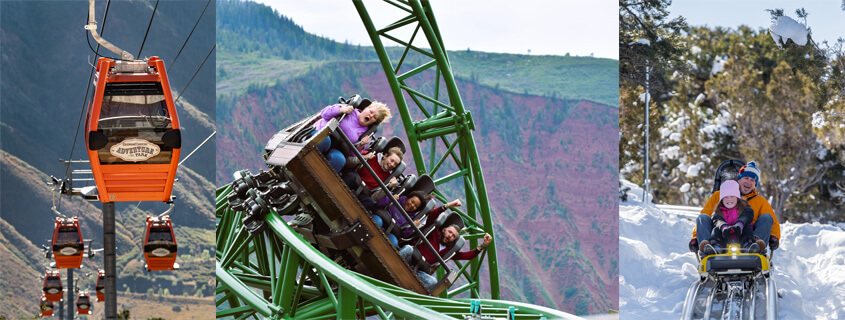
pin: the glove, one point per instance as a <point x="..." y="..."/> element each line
<point x="731" y="231"/>
<point x="774" y="243"/>
<point x="693" y="245"/>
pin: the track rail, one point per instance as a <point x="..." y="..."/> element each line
<point x="277" y="274"/>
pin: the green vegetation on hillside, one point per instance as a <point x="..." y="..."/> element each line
<point x="269" y="42"/>
<point x="723" y="94"/>
<point x="579" y="78"/>
<point x="248" y="27"/>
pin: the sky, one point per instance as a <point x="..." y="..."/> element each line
<point x="826" y="18"/>
<point x="546" y="27"/>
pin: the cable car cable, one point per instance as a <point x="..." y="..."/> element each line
<point x="88" y="87"/>
<point x="195" y="73"/>
<point x="197" y="148"/>
<point x="148" y="30"/>
<point x="189" y="35"/>
<point x="87" y="90"/>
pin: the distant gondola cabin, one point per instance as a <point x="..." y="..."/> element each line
<point x="67" y="243"/>
<point x="52" y="285"/>
<point x="133" y="134"/>
<point x="101" y="285"/>
<point x="46" y="307"/>
<point x="160" y="244"/>
<point x="83" y="303"/>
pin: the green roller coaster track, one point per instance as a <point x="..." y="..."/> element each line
<point x="263" y="275"/>
<point x="277" y="274"/>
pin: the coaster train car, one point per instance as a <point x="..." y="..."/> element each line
<point x="733" y="284"/>
<point x="342" y="229"/>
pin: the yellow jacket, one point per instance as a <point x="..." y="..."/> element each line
<point x="755" y="201"/>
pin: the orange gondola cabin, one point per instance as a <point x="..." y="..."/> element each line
<point x="101" y="285"/>
<point x="67" y="243"/>
<point x="83" y="303"/>
<point x="133" y="134"/>
<point x="160" y="244"/>
<point x="46" y="307"/>
<point x="53" y="286"/>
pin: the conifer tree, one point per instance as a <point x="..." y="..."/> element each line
<point x="773" y="126"/>
<point x="735" y="95"/>
<point x="645" y="34"/>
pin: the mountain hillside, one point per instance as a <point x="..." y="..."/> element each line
<point x="544" y="157"/>
<point x="268" y="40"/>
<point x="20" y="254"/>
<point x="45" y="69"/>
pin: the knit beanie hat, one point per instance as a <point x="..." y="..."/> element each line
<point x="729" y="188"/>
<point x="750" y="170"/>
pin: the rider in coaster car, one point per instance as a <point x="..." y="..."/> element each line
<point x="382" y="167"/>
<point x="412" y="203"/>
<point x="442" y="239"/>
<point x="353" y="125"/>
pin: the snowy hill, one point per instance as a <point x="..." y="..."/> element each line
<point x="656" y="268"/>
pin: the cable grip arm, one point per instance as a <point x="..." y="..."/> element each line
<point x="92" y="27"/>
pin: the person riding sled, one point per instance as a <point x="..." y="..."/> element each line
<point x="732" y="219"/>
<point x="764" y="226"/>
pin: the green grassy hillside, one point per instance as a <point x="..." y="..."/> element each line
<point x="268" y="46"/>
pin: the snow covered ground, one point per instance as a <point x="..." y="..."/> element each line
<point x="656" y="268"/>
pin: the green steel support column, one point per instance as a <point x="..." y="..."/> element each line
<point x="394" y="83"/>
<point x="289" y="275"/>
<point x="468" y="140"/>
<point x="254" y="300"/>
<point x="346" y="303"/>
<point x="417" y="132"/>
<point x="299" y="287"/>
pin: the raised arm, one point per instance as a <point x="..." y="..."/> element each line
<point x="334" y="110"/>
<point x="468" y="255"/>
<point x="434" y="213"/>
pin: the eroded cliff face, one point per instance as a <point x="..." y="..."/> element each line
<point x="550" y="166"/>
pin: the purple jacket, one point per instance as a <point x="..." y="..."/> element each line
<point x="350" y="125"/>
<point x="396" y="215"/>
